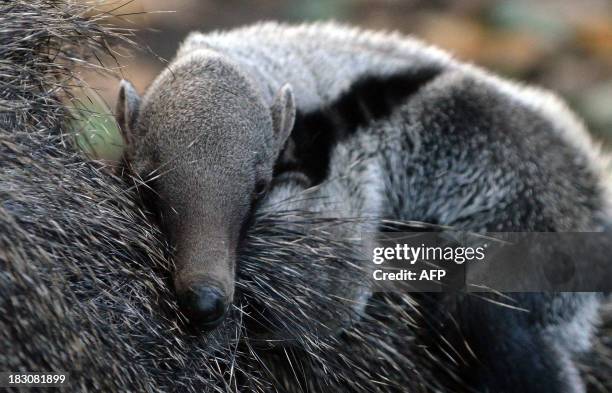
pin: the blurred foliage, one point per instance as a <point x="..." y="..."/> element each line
<point x="95" y="129"/>
<point x="563" y="45"/>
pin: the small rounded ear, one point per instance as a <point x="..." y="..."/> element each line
<point x="283" y="114"/>
<point x="126" y="112"/>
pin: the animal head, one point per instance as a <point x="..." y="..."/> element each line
<point x="206" y="143"/>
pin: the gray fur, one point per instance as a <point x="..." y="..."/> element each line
<point x="466" y="149"/>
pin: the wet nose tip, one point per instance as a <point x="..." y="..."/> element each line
<point x="204" y="306"/>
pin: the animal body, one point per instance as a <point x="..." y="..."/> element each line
<point x="342" y="124"/>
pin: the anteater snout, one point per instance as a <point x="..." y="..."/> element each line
<point x="204" y="305"/>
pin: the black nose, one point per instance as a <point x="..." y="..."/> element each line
<point x="204" y="306"/>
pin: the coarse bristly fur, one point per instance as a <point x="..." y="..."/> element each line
<point x="84" y="278"/>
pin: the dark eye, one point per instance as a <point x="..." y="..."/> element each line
<point x="261" y="187"/>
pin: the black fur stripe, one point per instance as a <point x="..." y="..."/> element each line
<point x="370" y="98"/>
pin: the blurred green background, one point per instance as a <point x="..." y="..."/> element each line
<point x="563" y="45"/>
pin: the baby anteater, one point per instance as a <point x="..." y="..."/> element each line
<point x="213" y="141"/>
<point x="344" y="124"/>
